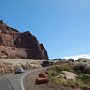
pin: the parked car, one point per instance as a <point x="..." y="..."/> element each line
<point x="19" y="70"/>
<point x="45" y="63"/>
<point x="42" y="78"/>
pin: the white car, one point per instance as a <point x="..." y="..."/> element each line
<point x="19" y="70"/>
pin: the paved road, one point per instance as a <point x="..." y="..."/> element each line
<point x="5" y="84"/>
<point x="15" y="81"/>
<point x="10" y="82"/>
<point x="29" y="79"/>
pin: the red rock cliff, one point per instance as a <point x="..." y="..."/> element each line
<point x="14" y="44"/>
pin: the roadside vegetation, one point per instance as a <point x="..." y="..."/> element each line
<point x="80" y="72"/>
<point x="6" y="68"/>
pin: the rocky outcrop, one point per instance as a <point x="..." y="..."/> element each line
<point x="20" y="44"/>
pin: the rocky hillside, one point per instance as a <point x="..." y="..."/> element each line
<point x="14" y="44"/>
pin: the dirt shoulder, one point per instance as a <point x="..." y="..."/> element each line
<point x="29" y="83"/>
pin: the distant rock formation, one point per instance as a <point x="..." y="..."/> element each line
<point x="14" y="44"/>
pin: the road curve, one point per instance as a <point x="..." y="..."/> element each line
<point x="10" y="82"/>
<point x="25" y="80"/>
<point x="16" y="81"/>
<point x="5" y="84"/>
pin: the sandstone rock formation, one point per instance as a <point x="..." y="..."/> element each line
<point x="14" y="44"/>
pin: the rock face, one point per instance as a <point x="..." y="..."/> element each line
<point x="14" y="44"/>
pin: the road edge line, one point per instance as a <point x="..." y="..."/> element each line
<point x="22" y="85"/>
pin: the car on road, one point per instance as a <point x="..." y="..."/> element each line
<point x="19" y="70"/>
<point x="42" y="78"/>
<point x="45" y="63"/>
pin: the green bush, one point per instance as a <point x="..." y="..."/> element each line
<point x="67" y="82"/>
<point x="56" y="70"/>
<point x="53" y="71"/>
<point x="81" y="69"/>
<point x="58" y="81"/>
<point x="84" y="78"/>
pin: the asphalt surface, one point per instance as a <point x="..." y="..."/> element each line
<point x="5" y="84"/>
<point x="10" y="82"/>
<point x="29" y="79"/>
<point x="15" y="81"/>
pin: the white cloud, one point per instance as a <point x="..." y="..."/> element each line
<point x="75" y="57"/>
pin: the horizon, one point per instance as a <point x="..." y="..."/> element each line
<point x="62" y="26"/>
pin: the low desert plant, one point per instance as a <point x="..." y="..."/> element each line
<point x="81" y="69"/>
<point x="82" y="80"/>
<point x="57" y="80"/>
<point x="57" y="69"/>
<point x="66" y="82"/>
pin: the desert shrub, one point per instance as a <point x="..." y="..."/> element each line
<point x="80" y="84"/>
<point x="58" y="81"/>
<point x="84" y="78"/>
<point x="67" y="82"/>
<point x="81" y="69"/>
<point x="58" y="69"/>
<point x="54" y="71"/>
<point x="83" y="81"/>
<point x="67" y="67"/>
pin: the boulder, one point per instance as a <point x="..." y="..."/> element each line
<point x="69" y="75"/>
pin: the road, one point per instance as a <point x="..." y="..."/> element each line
<point x="15" y="81"/>
<point x="29" y="79"/>
<point x="11" y="82"/>
<point x="5" y="84"/>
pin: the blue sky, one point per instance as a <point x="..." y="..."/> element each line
<point x="63" y="26"/>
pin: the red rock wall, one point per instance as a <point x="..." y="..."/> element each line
<point x="10" y="37"/>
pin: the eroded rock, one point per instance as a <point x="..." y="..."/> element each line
<point x="20" y="45"/>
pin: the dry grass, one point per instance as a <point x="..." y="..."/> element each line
<point x="9" y="65"/>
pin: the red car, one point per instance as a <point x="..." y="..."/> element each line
<point x="42" y="78"/>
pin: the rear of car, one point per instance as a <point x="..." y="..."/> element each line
<point x="19" y="70"/>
